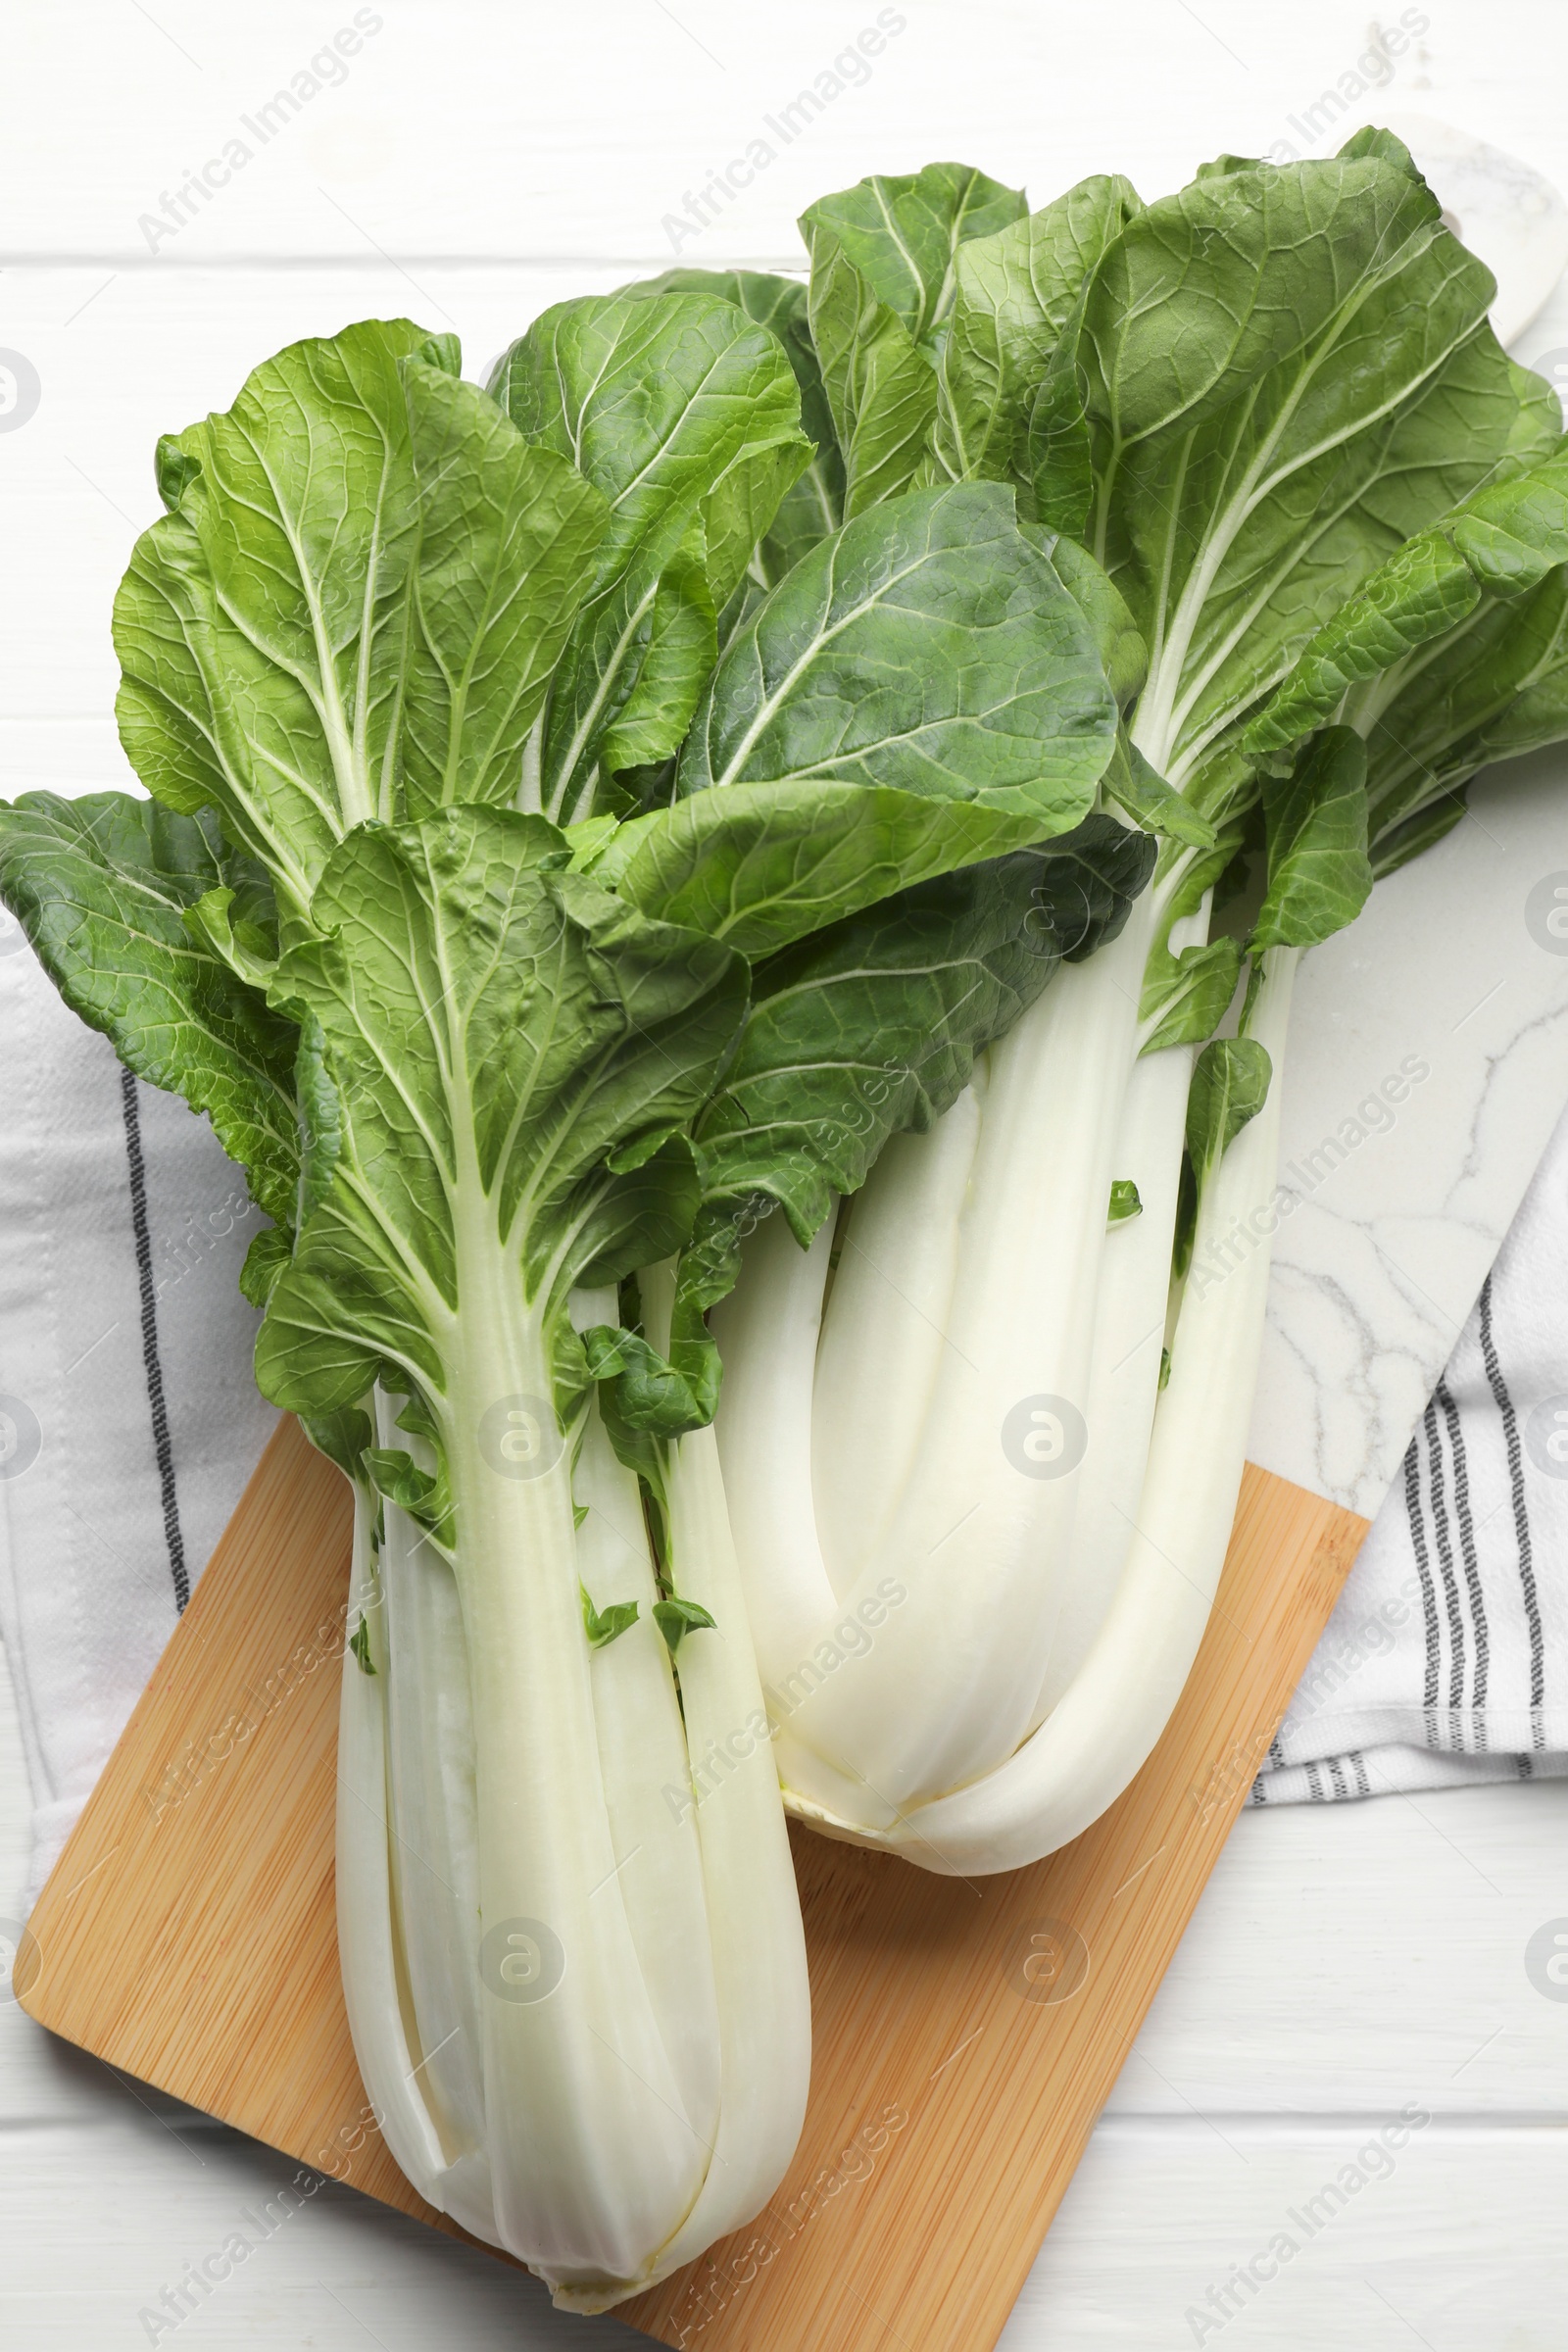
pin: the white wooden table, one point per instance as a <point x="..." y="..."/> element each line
<point x="470" y="163"/>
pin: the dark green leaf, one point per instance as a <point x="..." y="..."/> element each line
<point x="813" y="508"/>
<point x="1124" y="1201"/>
<point x="1015" y="295"/>
<point x="1151" y="803"/>
<point x="928" y="647"/>
<point x="652" y="1393"/>
<point x="1316" y="822"/>
<point x="677" y="1618"/>
<point x="903" y="234"/>
<point x="1230" y="1086"/>
<point x="1270" y="365"/>
<point x="1186" y="996"/>
<point x="685" y="415"/>
<point x="509" y="537"/>
<point x="601" y="1625"/>
<point x="269" y="1254"/>
<point x="343" y="1438"/>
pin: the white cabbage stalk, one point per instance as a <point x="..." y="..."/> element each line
<point x="967" y="1654"/>
<point x="577" y="1994"/>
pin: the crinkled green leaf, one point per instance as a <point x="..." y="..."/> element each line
<point x="218" y="921"/>
<point x="760" y="865"/>
<point x="903" y="234"/>
<point x="423" y="1496"/>
<point x="1454" y="654"/>
<point x="1425" y="588"/>
<point x="1273" y="366"/>
<point x="1224" y="164"/>
<point x="1059" y="454"/>
<point x="928" y="647"/>
<point x="883" y="280"/>
<point x="355" y="605"/>
<point x="1150" y="801"/>
<point x="601" y="1625"/>
<point x="1496" y="687"/>
<point x="509" y="535"/>
<point x="919" y="694"/>
<point x="685" y="415"/>
<point x="1185" y="997"/>
<point x="653" y="1392"/>
<point x="813" y="507"/>
<point x="880" y="385"/>
<point x="675" y="1619"/>
<point x="1502" y="542"/>
<point x="343" y="1437"/>
<point x="1123" y="654"/>
<point x="269" y="1254"/>
<point x="1316" y="819"/>
<point x="678" y="654"/>
<point x="494" y="1027"/>
<point x="1015" y="294"/>
<point x="261" y="627"/>
<point x="101" y="885"/>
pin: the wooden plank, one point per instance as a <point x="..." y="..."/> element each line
<point x="967" y="2033"/>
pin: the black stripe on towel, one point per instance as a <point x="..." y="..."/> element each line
<point x="1437" y="1473"/>
<point x="1520" y="1517"/>
<point x="162" y="1446"/>
<point x="1472" y="1566"/>
<point x="1276" y="1757"/>
<point x="1429" y="1601"/>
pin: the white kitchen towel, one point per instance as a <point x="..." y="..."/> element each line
<point x="129" y="1424"/>
<point x="128" y="1419"/>
<point x="1446" y="1659"/>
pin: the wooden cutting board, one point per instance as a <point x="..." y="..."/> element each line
<point x="967" y="2032"/>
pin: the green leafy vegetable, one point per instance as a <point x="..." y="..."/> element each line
<point x="272" y="631"/>
<point x="103" y="886"/>
<point x="1318" y="874"/>
<point x="813" y="507"/>
<point x="1014" y="297"/>
<point x="685" y="415"/>
<point x="603" y="1625"/>
<point x="931" y="649"/>
<point x="675" y="1619"/>
<point x="883" y="280"/>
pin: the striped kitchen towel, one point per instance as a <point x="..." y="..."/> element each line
<point x="128" y="1418"/>
<point x="1446" y="1659"/>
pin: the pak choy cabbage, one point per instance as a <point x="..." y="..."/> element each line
<point x="1318" y="515"/>
<point x="507" y="751"/>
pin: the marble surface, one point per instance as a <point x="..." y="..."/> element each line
<point x="1451" y="994"/>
